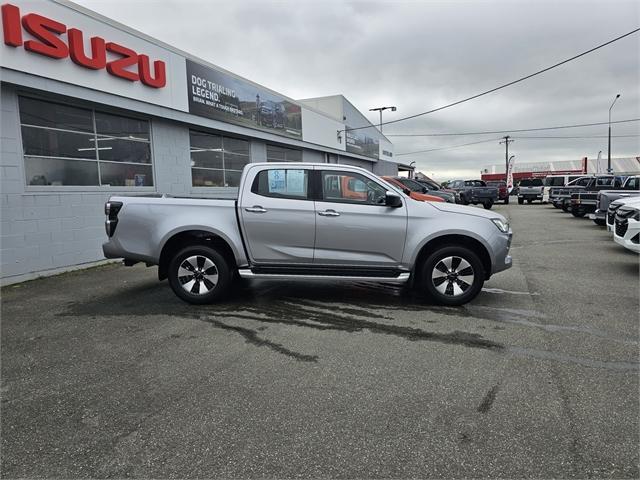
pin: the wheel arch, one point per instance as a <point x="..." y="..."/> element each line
<point x="179" y="240"/>
<point x="450" y="240"/>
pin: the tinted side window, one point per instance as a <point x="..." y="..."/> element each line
<point x="604" y="182"/>
<point x="348" y="187"/>
<point x="633" y="183"/>
<point x="282" y="183"/>
<point x="583" y="182"/>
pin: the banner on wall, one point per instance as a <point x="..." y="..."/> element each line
<point x="362" y="144"/>
<point x="220" y="96"/>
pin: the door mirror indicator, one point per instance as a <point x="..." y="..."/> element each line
<point x="392" y="200"/>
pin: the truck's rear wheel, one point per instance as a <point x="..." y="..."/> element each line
<point x="199" y="274"/>
<point x="452" y="275"/>
<point x="520" y="201"/>
<point x="506" y="201"/>
<point x="488" y="204"/>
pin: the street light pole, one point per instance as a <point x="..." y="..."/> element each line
<point x="609" y="170"/>
<point x="381" y="109"/>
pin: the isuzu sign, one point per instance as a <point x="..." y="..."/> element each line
<point x="49" y="40"/>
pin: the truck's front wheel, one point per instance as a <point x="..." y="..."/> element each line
<point x="199" y="274"/>
<point x="452" y="275"/>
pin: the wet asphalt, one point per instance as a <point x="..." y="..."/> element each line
<point x="105" y="373"/>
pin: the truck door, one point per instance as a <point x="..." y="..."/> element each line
<point x="353" y="224"/>
<point x="278" y="217"/>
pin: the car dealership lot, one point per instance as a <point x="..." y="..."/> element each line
<point x="106" y="373"/>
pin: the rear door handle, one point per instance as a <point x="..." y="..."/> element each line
<point x="329" y="213"/>
<point x="255" y="209"/>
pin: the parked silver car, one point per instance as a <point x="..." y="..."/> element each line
<point x="305" y="221"/>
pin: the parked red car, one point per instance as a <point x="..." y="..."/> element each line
<point x="503" y="191"/>
<point x="421" y="197"/>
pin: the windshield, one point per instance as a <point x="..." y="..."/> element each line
<point x="392" y="186"/>
<point x="531" y="182"/>
<point x="411" y="184"/>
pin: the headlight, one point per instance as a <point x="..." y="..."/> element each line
<point x="501" y="224"/>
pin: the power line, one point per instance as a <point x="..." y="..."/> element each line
<point x="447" y="148"/>
<point x="509" y="131"/>
<point x="500" y="86"/>
<point x="577" y="136"/>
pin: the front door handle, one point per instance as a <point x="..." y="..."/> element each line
<point x="256" y="209"/>
<point x="329" y="213"/>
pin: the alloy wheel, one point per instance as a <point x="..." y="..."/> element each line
<point x="452" y="276"/>
<point x="198" y="275"/>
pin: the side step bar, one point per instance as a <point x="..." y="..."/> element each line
<point x="400" y="278"/>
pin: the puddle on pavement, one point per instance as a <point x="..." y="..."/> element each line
<point x="335" y="307"/>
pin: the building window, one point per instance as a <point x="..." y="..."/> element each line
<point x="217" y="161"/>
<point x="65" y="145"/>
<point x="281" y="154"/>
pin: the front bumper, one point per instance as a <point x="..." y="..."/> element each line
<point x="502" y="260"/>
<point x="598" y="215"/>
<point x="630" y="239"/>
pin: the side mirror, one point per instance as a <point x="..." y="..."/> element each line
<point x="425" y="190"/>
<point x="392" y="200"/>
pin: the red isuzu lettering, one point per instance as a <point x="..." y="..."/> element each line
<point x="49" y="42"/>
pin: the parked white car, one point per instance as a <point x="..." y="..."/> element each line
<point x="614" y="206"/>
<point x="626" y="231"/>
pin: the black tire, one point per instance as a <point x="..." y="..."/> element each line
<point x="463" y="200"/>
<point x="529" y="201"/>
<point x="600" y="222"/>
<point x="565" y="208"/>
<point x="578" y="212"/>
<point x="488" y="204"/>
<point x="506" y="201"/>
<point x="520" y="201"/>
<point x="215" y="279"/>
<point x="436" y="261"/>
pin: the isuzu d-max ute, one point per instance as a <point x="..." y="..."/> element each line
<point x="303" y="221"/>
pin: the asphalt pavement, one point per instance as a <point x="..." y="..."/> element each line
<point x="106" y="373"/>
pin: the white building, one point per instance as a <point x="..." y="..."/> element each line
<point x="92" y="108"/>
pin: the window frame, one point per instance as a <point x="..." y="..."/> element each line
<point x="310" y="196"/>
<point x="222" y="136"/>
<point x="49" y="189"/>
<point x="320" y="187"/>
<point x="285" y="150"/>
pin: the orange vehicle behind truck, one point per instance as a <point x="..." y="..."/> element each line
<point x="421" y="197"/>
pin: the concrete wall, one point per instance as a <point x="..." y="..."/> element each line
<point x="49" y="230"/>
<point x="383" y="168"/>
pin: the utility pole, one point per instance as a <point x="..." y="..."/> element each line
<point x="507" y="140"/>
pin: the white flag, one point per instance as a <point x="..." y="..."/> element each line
<point x="510" y="174"/>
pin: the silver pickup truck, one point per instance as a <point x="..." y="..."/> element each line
<point x="306" y="221"/>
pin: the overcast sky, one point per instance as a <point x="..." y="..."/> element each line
<point x="421" y="55"/>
